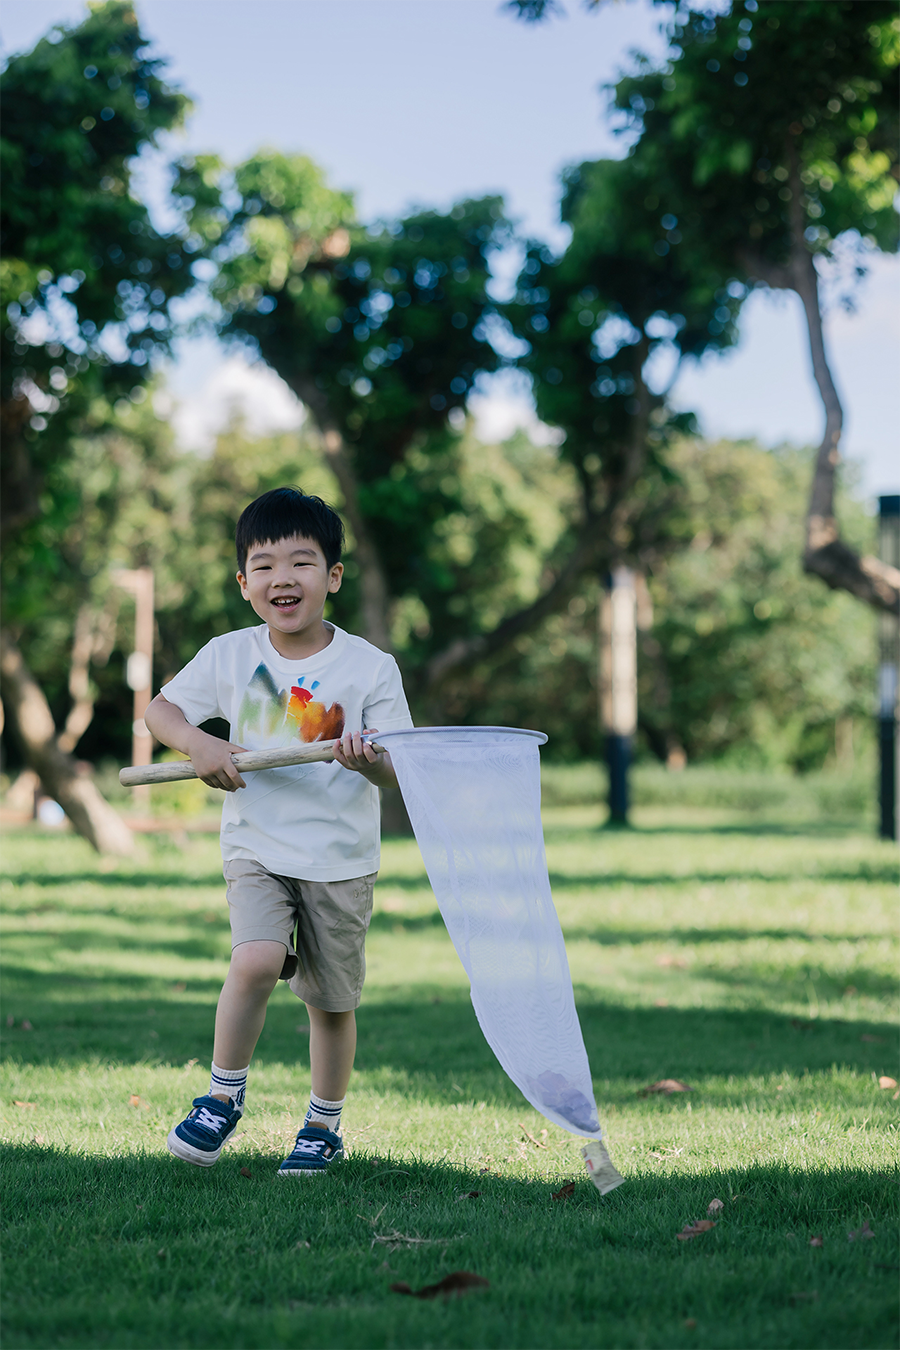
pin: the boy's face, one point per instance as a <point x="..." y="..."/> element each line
<point x="287" y="584"/>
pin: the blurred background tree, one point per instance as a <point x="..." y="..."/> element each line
<point x="761" y="173"/>
<point x="86" y="286"/>
<point x="381" y="334"/>
<point x="478" y="565"/>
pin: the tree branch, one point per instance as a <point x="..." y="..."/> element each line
<point x="374" y="591"/>
<point x="602" y="538"/>
<point x="825" y="554"/>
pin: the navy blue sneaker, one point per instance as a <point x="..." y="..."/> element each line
<point x="204" y="1131"/>
<point x="313" y="1153"/>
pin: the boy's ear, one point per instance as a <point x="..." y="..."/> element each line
<point x="335" y="577"/>
<point x="242" y="582"/>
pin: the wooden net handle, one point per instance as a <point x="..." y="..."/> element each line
<point x="247" y="761"/>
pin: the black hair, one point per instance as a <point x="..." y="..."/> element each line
<point x="283" y="513"/>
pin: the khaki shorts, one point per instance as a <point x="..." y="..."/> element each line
<point x="326" y="965"/>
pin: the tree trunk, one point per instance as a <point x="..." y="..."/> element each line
<point x="604" y="537"/>
<point x="374" y="590"/>
<point x="93" y="637"/>
<point x="29" y="714"/>
<point x="825" y="554"/>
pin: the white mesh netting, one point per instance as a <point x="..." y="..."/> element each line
<point x="473" y="796"/>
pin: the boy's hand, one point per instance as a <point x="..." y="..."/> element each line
<point x="211" y="758"/>
<point x="352" y="752"/>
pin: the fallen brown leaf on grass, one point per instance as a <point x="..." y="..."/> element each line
<point x="692" y="1230"/>
<point x="886" y="1083"/>
<point x="805" y="1296"/>
<point x="861" y="1234"/>
<point x="528" y="1135"/>
<point x="245" y="1172"/>
<point x="564" y="1191"/>
<point x="26" y="1025"/>
<point x="28" y="1105"/>
<point x="667" y="960"/>
<point x="817" y="1241"/>
<point x="180" y="987"/>
<point x="665" y="1087"/>
<point x="715" y="1206"/>
<point x="660" y="1003"/>
<point x="690" y="1323"/>
<point x="467" y="1195"/>
<point x="134" y="1100"/>
<point x="458" y="1282"/>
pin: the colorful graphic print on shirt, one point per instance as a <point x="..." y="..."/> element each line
<point x="281" y="716"/>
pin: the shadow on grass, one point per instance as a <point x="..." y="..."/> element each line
<point x="116" y="880"/>
<point x="147" y="1252"/>
<point x="426" y="1042"/>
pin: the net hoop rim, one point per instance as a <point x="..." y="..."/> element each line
<point x="539" y="736"/>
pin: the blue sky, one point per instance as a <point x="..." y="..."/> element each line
<point x="424" y="101"/>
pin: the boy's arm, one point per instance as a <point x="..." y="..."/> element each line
<point x="210" y="756"/>
<point x="352" y="752"/>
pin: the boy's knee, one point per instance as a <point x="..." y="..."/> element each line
<point x="258" y="963"/>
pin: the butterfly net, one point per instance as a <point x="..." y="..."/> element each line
<point x="473" y="797"/>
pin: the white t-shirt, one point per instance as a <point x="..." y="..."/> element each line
<point x="316" y="822"/>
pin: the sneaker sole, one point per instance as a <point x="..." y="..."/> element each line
<point x="311" y="1171"/>
<point x="187" y="1153"/>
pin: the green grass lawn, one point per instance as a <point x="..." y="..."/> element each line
<point x="753" y="960"/>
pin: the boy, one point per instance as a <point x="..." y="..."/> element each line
<point x="300" y="846"/>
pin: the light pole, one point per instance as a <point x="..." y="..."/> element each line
<point x="618" y="683"/>
<point x="138" y="582"/>
<point x="888" y="664"/>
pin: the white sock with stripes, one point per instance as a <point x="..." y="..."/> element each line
<point x="324" y="1115"/>
<point x="230" y="1082"/>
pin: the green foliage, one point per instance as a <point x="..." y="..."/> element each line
<point x="747" y="655"/>
<point x="747" y="960"/>
<point x="764" y="111"/>
<point x="86" y="281"/>
<point x="381" y="332"/>
<point x="746" y="658"/>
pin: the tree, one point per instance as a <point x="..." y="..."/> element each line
<point x="748" y="658"/>
<point x="86" y="285"/>
<point x="597" y="320"/>
<point x="771" y="134"/>
<point x="380" y="333"/>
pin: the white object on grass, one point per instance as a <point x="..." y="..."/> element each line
<point x="473" y="797"/>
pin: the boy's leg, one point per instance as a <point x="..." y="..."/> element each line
<point x="332" y="1049"/>
<point x="261" y="907"/>
<point x="332" y="924"/>
<point x="253" y="974"/>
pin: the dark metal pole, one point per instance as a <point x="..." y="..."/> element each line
<point x="618" y="684"/>
<point x="888" y="663"/>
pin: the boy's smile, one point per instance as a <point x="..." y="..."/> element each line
<point x="287" y="583"/>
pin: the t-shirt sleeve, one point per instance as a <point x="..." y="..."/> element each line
<point x="386" y="708"/>
<point x="195" y="689"/>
